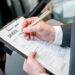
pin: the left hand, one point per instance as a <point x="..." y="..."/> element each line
<point x="32" y="67"/>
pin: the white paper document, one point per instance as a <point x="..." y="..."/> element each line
<point x="52" y="57"/>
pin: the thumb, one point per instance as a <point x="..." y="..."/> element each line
<point x="32" y="55"/>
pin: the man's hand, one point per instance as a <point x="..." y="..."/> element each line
<point x="32" y="67"/>
<point x="41" y="30"/>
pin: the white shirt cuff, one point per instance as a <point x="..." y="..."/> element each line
<point x="43" y="74"/>
<point x="58" y="35"/>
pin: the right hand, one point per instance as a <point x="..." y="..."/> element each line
<point x="41" y="30"/>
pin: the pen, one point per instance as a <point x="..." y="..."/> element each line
<point x="41" y="17"/>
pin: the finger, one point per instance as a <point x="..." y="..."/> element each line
<point x="27" y="37"/>
<point x="32" y="55"/>
<point x="27" y="30"/>
<point x="27" y="34"/>
<point x="32" y="35"/>
<point x="28" y="21"/>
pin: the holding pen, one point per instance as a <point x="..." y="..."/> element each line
<point x="35" y="27"/>
<point x="43" y="16"/>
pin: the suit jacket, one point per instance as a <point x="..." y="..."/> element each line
<point x="5" y="12"/>
<point x="72" y="53"/>
<point x="1" y="73"/>
<point x="69" y="38"/>
<point x="66" y="35"/>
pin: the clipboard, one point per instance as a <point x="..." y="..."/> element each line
<point x="52" y="57"/>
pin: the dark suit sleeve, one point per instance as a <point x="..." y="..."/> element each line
<point x="66" y="35"/>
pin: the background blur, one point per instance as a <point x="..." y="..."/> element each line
<point x="9" y="10"/>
